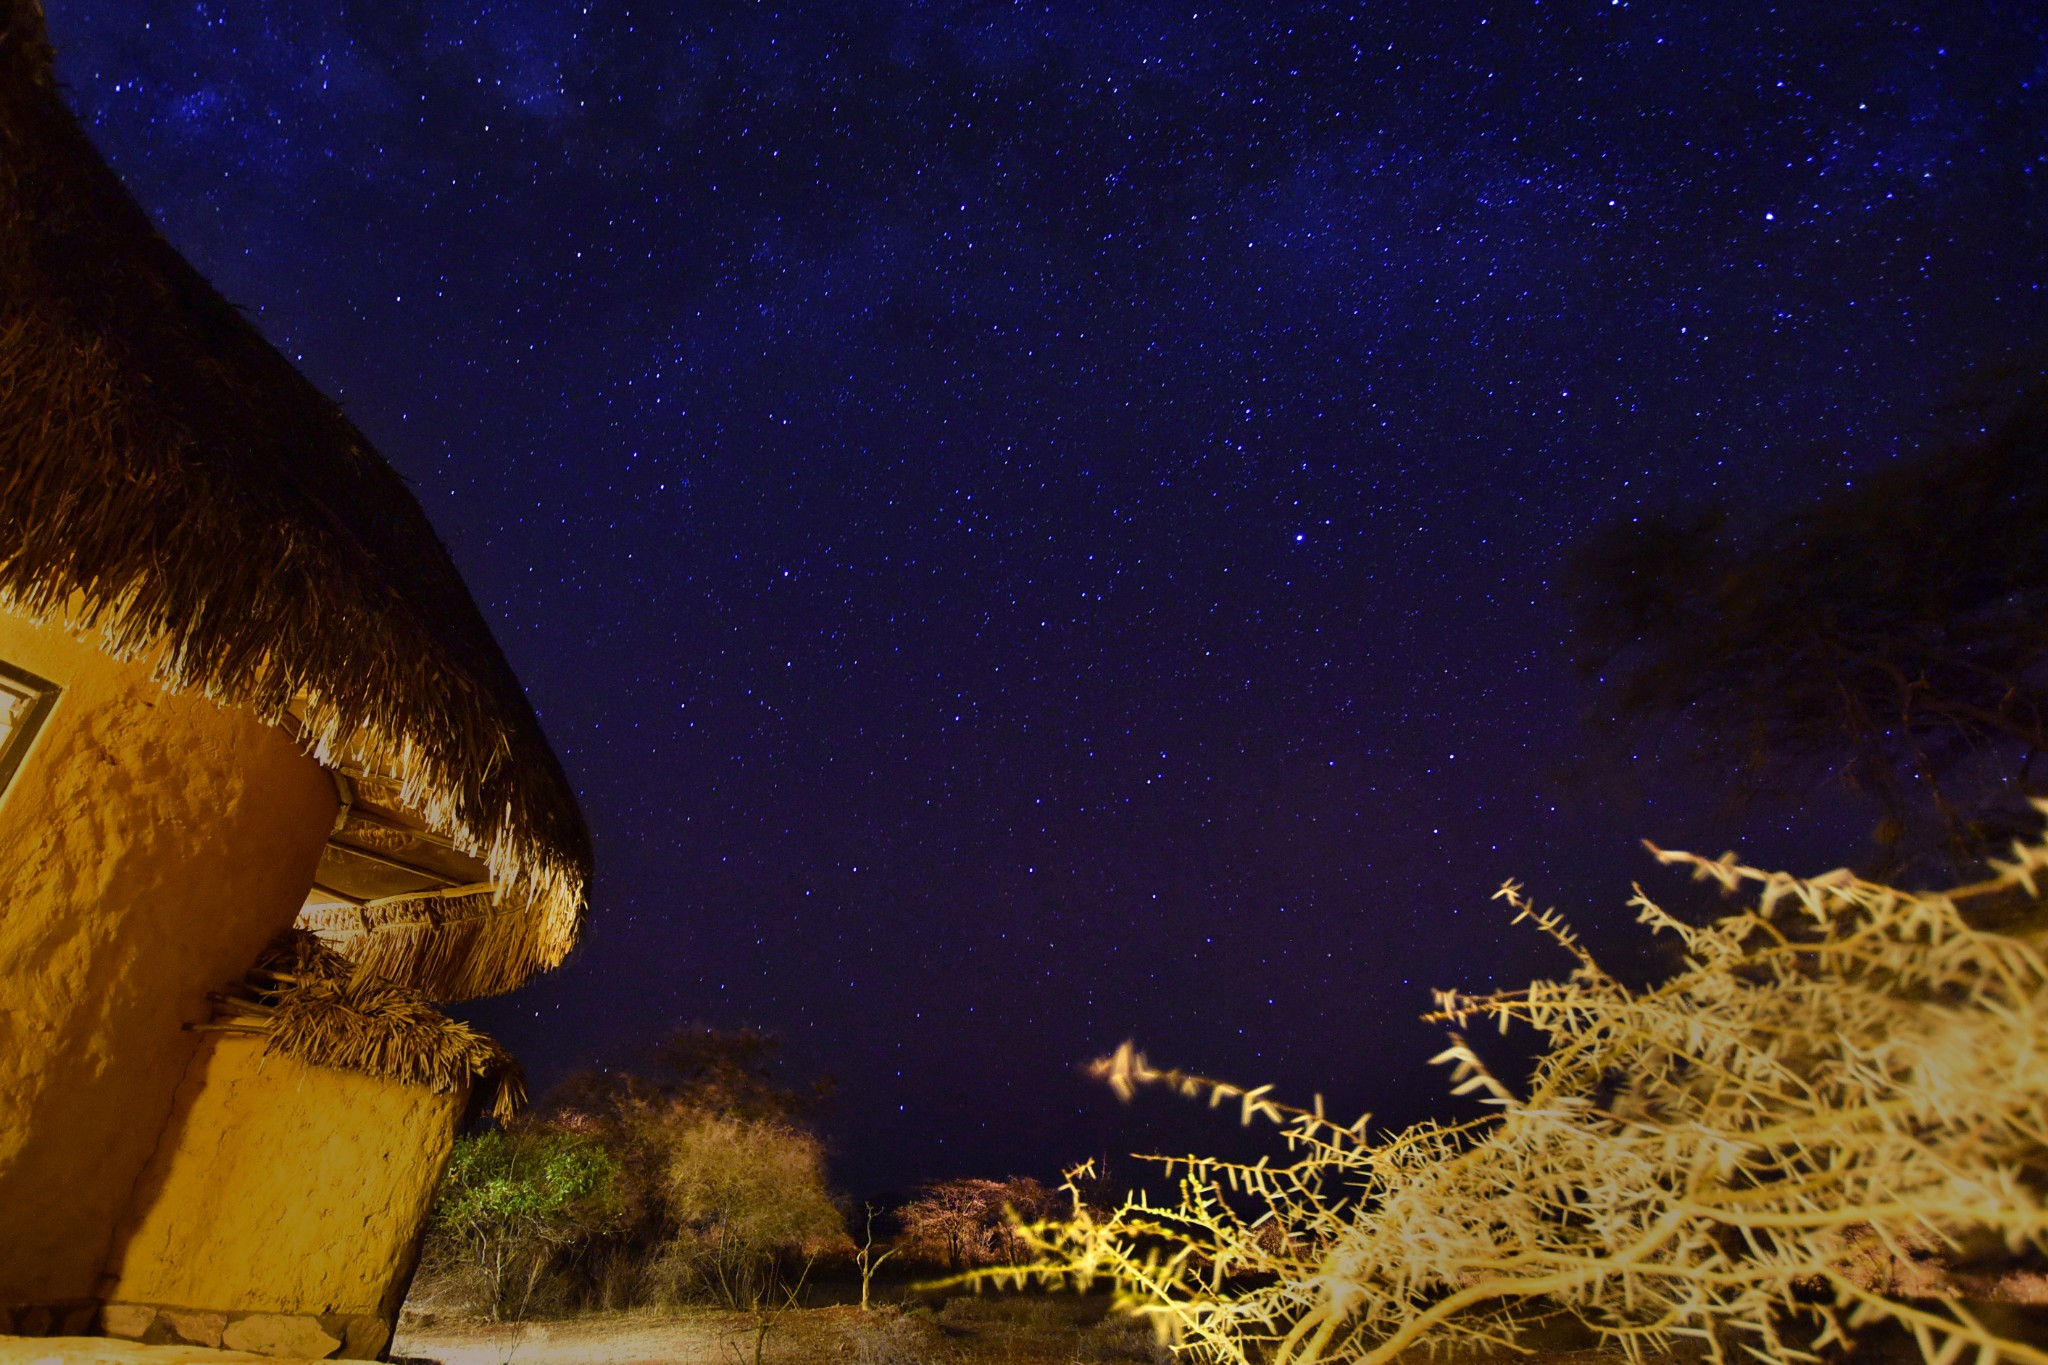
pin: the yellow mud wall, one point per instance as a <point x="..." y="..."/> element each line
<point x="284" y="1187"/>
<point x="149" y="846"/>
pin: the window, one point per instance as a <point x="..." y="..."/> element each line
<point x="25" y="700"/>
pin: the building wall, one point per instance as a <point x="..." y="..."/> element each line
<point x="150" y="845"/>
<point x="284" y="1188"/>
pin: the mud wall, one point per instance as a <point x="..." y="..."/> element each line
<point x="149" y="846"/>
<point x="284" y="1188"/>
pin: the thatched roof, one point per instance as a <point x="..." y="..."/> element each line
<point x="309" y="1002"/>
<point x="170" y="482"/>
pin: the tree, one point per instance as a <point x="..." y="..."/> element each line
<point x="1893" y="634"/>
<point x="969" y="1222"/>
<point x="724" y="1071"/>
<point x="864" y="1256"/>
<point x="723" y="1187"/>
<point x="676" y="1091"/>
<point x="515" y="1199"/>
<point x="711" y="1186"/>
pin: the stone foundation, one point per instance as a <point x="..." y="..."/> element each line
<point x="300" y="1336"/>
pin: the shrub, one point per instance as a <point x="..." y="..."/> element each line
<point x="1845" y="1065"/>
<point x="710" y="1189"/>
<point x="514" y="1201"/>
<point x="887" y="1336"/>
<point x="748" y="1202"/>
<point x="1118" y="1339"/>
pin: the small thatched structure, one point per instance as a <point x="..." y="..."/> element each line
<point x="242" y="689"/>
<point x="169" y="482"/>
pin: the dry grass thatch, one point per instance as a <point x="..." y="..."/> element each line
<point x="317" y="1006"/>
<point x="169" y="483"/>
<point x="452" y="946"/>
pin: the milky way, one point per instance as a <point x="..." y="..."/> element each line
<point x="1034" y="526"/>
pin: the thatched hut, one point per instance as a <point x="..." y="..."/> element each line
<point x="242" y="689"/>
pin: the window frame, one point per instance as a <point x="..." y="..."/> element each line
<point x="42" y="700"/>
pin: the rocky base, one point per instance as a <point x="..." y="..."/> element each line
<point x="301" y="1336"/>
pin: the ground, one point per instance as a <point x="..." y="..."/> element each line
<point x="996" y="1329"/>
<point x="1027" y="1329"/>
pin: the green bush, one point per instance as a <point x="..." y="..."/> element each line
<point x="516" y="1201"/>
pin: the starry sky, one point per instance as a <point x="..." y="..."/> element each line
<point x="1032" y="525"/>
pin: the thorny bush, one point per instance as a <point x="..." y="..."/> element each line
<point x="1837" y="1081"/>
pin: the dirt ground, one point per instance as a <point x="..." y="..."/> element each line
<point x="1026" y="1330"/>
<point x="983" y="1330"/>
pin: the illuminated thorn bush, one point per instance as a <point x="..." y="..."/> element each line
<point x="1843" y="1077"/>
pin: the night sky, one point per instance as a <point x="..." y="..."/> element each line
<point x="1036" y="525"/>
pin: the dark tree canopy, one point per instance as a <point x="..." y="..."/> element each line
<point x="722" y="1071"/>
<point x="1892" y="634"/>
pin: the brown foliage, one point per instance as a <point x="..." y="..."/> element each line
<point x="747" y="1204"/>
<point x="966" y="1223"/>
<point x="717" y="1189"/>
